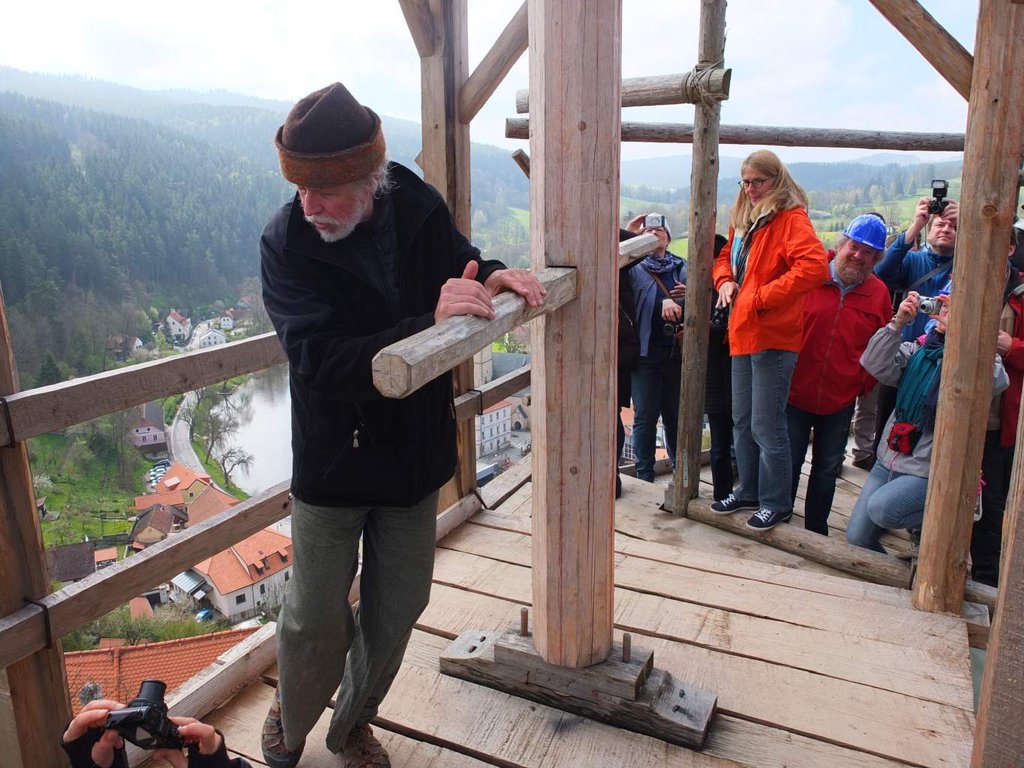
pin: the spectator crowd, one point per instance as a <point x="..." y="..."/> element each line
<point x="807" y="344"/>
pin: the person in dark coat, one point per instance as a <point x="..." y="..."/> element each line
<point x="629" y="353"/>
<point x="364" y="255"/>
<point x="718" y="396"/>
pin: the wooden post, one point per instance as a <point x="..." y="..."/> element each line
<point x="505" y="52"/>
<point x="575" y="71"/>
<point x="998" y="738"/>
<point x="995" y="128"/>
<point x="703" y="209"/>
<point x="446" y="166"/>
<point x="33" y="694"/>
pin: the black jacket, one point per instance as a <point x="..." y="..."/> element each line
<point x="350" y="445"/>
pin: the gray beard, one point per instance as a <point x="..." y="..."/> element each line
<point x="342" y="229"/>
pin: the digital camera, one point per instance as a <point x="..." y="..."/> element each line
<point x="720" y="318"/>
<point x="929" y="305"/>
<point x="144" y="721"/>
<point x="672" y="329"/>
<point x="654" y="221"/>
<point x="938" y="202"/>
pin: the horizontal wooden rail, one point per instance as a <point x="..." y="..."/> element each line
<point x="682" y="88"/>
<point x="631" y="250"/>
<point x="24" y="632"/>
<point x="476" y="401"/>
<point x="781" y="136"/>
<point x="405" y="366"/>
<point x="38" y="411"/>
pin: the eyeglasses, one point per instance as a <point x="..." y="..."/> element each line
<point x="755" y="183"/>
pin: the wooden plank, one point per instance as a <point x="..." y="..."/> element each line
<point x="853" y="715"/>
<point x="476" y="401"/>
<point x="35" y="703"/>
<point x="652" y="90"/>
<point x="496" y="63"/>
<point x="523" y="161"/>
<point x="457" y="514"/>
<point x="848" y="618"/>
<point x="995" y="134"/>
<point x="420" y="21"/>
<point x="57" y="406"/>
<point x="703" y="211"/>
<point x="939" y="48"/>
<point x="507" y="483"/>
<point x="242" y="719"/>
<point x="403" y="367"/>
<point x="779" y="136"/>
<point x="575" y="74"/>
<point x="23" y="632"/>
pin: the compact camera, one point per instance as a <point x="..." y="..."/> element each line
<point x="938" y="202"/>
<point x="654" y="221"/>
<point x="672" y="329"/>
<point x="929" y="305"/>
<point x="144" y="721"/>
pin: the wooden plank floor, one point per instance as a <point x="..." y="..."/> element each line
<point x="812" y="669"/>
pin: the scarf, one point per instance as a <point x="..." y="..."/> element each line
<point x="917" y="398"/>
<point x="657" y="264"/>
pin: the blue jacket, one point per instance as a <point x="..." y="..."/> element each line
<point x="647" y="294"/>
<point x="902" y="267"/>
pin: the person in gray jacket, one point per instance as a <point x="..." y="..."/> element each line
<point x="894" y="493"/>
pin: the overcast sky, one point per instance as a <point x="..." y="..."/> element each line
<point x="814" y="63"/>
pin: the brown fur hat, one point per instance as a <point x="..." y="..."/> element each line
<point x="329" y="139"/>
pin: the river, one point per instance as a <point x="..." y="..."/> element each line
<point x="262" y="407"/>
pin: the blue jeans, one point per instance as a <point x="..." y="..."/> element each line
<point x="830" y="435"/>
<point x="655" y="389"/>
<point x="889" y="500"/>
<point x="760" y="388"/>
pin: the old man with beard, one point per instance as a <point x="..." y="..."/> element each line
<point x="840" y="318"/>
<point x="365" y="254"/>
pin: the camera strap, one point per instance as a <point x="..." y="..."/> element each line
<point x="929" y="275"/>
<point x="660" y="284"/>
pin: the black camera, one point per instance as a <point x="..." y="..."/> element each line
<point x="720" y="318"/>
<point x="938" y="202"/>
<point x="671" y="329"/>
<point x="144" y="721"/>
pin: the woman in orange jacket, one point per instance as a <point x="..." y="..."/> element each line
<point x="772" y="259"/>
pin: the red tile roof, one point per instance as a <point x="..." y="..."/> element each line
<point x="171" y="498"/>
<point x="140" y="608"/>
<point x="102" y="555"/>
<point x="236" y="567"/>
<point x="212" y="501"/>
<point x="120" y="671"/>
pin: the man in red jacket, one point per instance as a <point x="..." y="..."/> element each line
<point x="839" y="319"/>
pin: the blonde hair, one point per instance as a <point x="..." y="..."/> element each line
<point x="784" y="194"/>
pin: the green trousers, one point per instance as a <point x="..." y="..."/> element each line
<point x="321" y="642"/>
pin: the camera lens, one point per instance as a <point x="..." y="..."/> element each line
<point x="927" y="306"/>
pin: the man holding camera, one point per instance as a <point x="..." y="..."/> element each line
<point x="840" y="317"/>
<point x="659" y="285"/>
<point x="928" y="269"/>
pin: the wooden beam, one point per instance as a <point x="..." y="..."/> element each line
<point x="24" y="631"/>
<point x="995" y="133"/>
<point x="479" y="86"/>
<point x="476" y="402"/>
<point x="703" y="211"/>
<point x="940" y="49"/>
<point x="420" y="21"/>
<point x="827" y="550"/>
<point x="38" y="411"/>
<point x="523" y="161"/>
<point x="34" y="694"/>
<point x="631" y="250"/>
<point x="446" y="166"/>
<point x="781" y="136"/>
<point x="705" y="80"/>
<point x="457" y="514"/>
<point x="999" y="735"/>
<point x="403" y="367"/>
<point x="575" y="73"/>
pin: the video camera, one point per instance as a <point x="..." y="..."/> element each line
<point x="937" y="205"/>
<point x="144" y="721"/>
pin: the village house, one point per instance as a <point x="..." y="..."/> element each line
<point x="494" y="428"/>
<point x="122" y="347"/>
<point x="178" y="327"/>
<point x="227" y="320"/>
<point x="209" y="337"/>
<point x="148" y="433"/>
<point x="104" y="557"/>
<point x="71" y="562"/>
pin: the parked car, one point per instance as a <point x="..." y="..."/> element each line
<point x="206" y="614"/>
<point x="165" y="463"/>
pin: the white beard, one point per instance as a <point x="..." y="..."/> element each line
<point x="339" y="229"/>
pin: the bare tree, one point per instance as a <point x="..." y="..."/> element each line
<point x="234" y="458"/>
